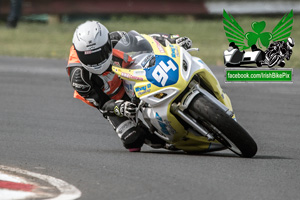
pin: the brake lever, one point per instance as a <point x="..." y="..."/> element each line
<point x="192" y="49"/>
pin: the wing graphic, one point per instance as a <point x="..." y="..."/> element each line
<point x="234" y="31"/>
<point x="284" y="27"/>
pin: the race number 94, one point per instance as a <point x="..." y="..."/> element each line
<point x="160" y="73"/>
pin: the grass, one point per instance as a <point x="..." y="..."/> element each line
<point x="54" y="40"/>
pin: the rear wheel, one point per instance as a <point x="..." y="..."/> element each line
<point x="225" y="129"/>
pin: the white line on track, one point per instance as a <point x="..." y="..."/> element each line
<point x="33" y="66"/>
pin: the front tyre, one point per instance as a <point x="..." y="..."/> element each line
<point x="225" y="129"/>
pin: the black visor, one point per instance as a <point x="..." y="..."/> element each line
<point x="95" y="56"/>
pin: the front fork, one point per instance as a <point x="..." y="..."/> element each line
<point x="178" y="109"/>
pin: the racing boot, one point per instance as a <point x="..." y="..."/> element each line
<point x="131" y="136"/>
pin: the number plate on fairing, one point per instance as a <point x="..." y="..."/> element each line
<point x="164" y="73"/>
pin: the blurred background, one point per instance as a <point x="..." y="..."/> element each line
<point x="44" y="28"/>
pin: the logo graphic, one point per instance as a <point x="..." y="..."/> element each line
<point x="125" y="40"/>
<point x="278" y="43"/>
<point x="117" y="111"/>
<point x="143" y="89"/>
<point x="165" y="125"/>
<point x="129" y="76"/>
<point x="258" y="75"/>
<point x="164" y="73"/>
<point x="162" y="125"/>
<point x="236" y="34"/>
<point x="174" y="50"/>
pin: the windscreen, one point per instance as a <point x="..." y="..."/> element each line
<point x="133" y="43"/>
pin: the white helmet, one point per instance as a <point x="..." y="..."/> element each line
<point x="290" y="43"/>
<point x="93" y="46"/>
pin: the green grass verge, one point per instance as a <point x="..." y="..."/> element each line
<point x="53" y="41"/>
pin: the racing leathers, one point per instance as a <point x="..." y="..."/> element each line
<point x="106" y="93"/>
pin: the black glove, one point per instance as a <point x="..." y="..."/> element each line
<point x="184" y="42"/>
<point x="125" y="108"/>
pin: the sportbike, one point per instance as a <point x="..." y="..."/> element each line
<point x="179" y="98"/>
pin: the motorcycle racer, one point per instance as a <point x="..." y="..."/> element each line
<point x="278" y="51"/>
<point x="89" y="69"/>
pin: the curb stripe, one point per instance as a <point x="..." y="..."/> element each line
<point x="16" y="186"/>
<point x="67" y="191"/>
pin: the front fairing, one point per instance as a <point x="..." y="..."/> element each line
<point x="154" y="66"/>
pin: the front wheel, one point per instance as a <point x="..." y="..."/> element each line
<point x="225" y="129"/>
<point x="273" y="60"/>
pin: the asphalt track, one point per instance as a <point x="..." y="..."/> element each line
<point x="45" y="130"/>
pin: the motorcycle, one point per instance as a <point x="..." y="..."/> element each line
<point x="275" y="56"/>
<point x="179" y="98"/>
<point x="233" y="57"/>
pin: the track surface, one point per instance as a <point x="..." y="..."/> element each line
<point x="44" y="130"/>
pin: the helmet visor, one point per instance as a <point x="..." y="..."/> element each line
<point x="290" y="42"/>
<point x="94" y="58"/>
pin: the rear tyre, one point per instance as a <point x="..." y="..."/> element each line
<point x="225" y="129"/>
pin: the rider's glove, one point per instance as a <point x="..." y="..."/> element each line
<point x="125" y="108"/>
<point x="184" y="42"/>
